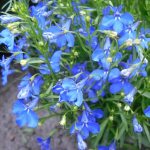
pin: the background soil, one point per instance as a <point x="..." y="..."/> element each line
<point x="14" y="138"/>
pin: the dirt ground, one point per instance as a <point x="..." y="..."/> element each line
<point x="14" y="138"/>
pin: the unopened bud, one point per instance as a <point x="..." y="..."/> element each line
<point x="58" y="105"/>
<point x="88" y="18"/>
<point x="111" y="118"/>
<point x="137" y="41"/>
<point x="109" y="59"/>
<point x="63" y="121"/>
<point x="119" y="104"/>
<point x="76" y="54"/>
<point x="122" y="94"/>
<point x="126" y="107"/>
<point x="23" y="62"/>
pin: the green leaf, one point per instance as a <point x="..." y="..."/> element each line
<point x="145" y="94"/>
<point x="124" y="121"/>
<point x="99" y="136"/>
<point x="35" y="61"/>
<point x="120" y="131"/>
<point x="146" y="132"/>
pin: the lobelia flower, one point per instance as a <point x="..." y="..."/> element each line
<point x="80" y="70"/>
<point x="60" y="35"/>
<point x="103" y="56"/>
<point x="93" y="114"/>
<point x="25" y="116"/>
<point x="118" y="82"/>
<point x="128" y="34"/>
<point x="40" y="12"/>
<point x="70" y="91"/>
<point x="147" y="112"/>
<point x="5" y="19"/>
<point x="44" y="143"/>
<point x="130" y="96"/>
<point x="5" y="64"/>
<point x="35" y="1"/>
<point x="29" y="87"/>
<point x="7" y="38"/>
<point x="136" y="68"/>
<point x="143" y="38"/>
<point x="137" y="127"/>
<point x="117" y="21"/>
<point x="86" y="123"/>
<point x="112" y="146"/>
<point x="81" y="144"/>
<point x="54" y="62"/>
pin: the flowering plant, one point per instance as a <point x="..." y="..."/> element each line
<point x="86" y="65"/>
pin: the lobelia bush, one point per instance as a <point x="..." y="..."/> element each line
<point x="86" y="65"/>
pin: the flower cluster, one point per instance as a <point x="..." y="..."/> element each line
<point x="84" y="71"/>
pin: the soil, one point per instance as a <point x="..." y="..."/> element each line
<point x="14" y="138"/>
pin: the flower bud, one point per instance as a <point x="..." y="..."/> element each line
<point x="126" y="107"/>
<point x="23" y="62"/>
<point x="63" y="121"/>
<point x="109" y="59"/>
<point x="87" y="18"/>
<point x="111" y="118"/>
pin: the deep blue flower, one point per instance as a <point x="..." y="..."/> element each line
<point x="104" y="57"/>
<point x="5" y="19"/>
<point x="117" y="21"/>
<point x="143" y="38"/>
<point x="118" y="82"/>
<point x="25" y="116"/>
<point x="54" y="62"/>
<point x="44" y="143"/>
<point x="129" y="33"/>
<point x="112" y="146"/>
<point x="7" y="38"/>
<point x="84" y="126"/>
<point x="81" y="144"/>
<point x="5" y="64"/>
<point x="40" y="12"/>
<point x="137" y="127"/>
<point x="134" y="68"/>
<point x="70" y="91"/>
<point x="99" y="53"/>
<point x="29" y="87"/>
<point x="130" y="96"/>
<point x="60" y="35"/>
<point x="147" y="112"/>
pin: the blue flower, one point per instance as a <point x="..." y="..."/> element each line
<point x="44" y="143"/>
<point x="137" y="67"/>
<point x="54" y="62"/>
<point x="70" y="91"/>
<point x="7" y="38"/>
<point x="5" y="64"/>
<point x="5" y="19"/>
<point x="143" y="38"/>
<point x="112" y="146"/>
<point x="130" y="96"/>
<point x="86" y="123"/>
<point x="129" y="33"/>
<point x="25" y="116"/>
<point x="40" y="12"/>
<point x="137" y="127"/>
<point x="117" y="21"/>
<point x="81" y="144"/>
<point x="118" y="83"/>
<point x="60" y="35"/>
<point x="147" y="112"/>
<point x="29" y="87"/>
<point x="84" y="126"/>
